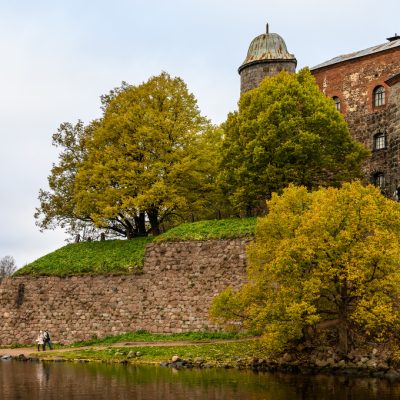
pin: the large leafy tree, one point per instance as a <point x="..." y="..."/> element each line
<point x="146" y="157"/>
<point x="57" y="205"/>
<point x="328" y="258"/>
<point x="286" y="131"/>
<point x="150" y="158"/>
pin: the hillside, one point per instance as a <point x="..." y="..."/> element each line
<point x="127" y="256"/>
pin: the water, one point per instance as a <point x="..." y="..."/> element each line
<point x="58" y="381"/>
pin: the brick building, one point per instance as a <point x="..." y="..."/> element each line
<point x="365" y="86"/>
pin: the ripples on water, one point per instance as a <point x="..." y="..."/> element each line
<point x="58" y="381"/>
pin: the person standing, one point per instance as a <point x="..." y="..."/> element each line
<point x="40" y="341"/>
<point x="47" y="340"/>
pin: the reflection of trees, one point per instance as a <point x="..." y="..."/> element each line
<point x="48" y="381"/>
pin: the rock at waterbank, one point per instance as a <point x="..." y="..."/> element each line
<point x="178" y="363"/>
<point x="20" y="357"/>
<point x="392" y="374"/>
<point x="372" y="364"/>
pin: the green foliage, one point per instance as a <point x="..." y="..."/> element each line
<point x="212" y="229"/>
<point x="150" y="157"/>
<point x="57" y="205"/>
<point x="286" y="131"/>
<point x="329" y="257"/>
<point x="107" y="257"/>
<point x="150" y="154"/>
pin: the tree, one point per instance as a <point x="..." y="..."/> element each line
<point x="286" y="131"/>
<point x="145" y="157"/>
<point x="150" y="158"/>
<point x="7" y="266"/>
<point x="57" y="205"/>
<point x="325" y="258"/>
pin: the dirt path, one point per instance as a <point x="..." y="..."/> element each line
<point x="26" y="351"/>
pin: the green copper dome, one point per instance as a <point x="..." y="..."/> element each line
<point x="267" y="47"/>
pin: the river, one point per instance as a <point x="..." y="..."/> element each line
<point x="75" y="381"/>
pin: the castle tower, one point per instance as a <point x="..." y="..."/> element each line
<point x="267" y="56"/>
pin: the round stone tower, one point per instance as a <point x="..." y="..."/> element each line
<point x="267" y="56"/>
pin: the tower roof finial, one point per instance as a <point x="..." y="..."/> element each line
<point x="267" y="27"/>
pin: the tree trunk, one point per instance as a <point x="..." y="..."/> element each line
<point x="140" y="224"/>
<point x="129" y="233"/>
<point x="249" y="211"/>
<point x="343" y="333"/>
<point x="343" y="328"/>
<point x="152" y="214"/>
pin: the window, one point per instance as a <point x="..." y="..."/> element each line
<point x="337" y="102"/>
<point x="379" y="141"/>
<point x="379" y="180"/>
<point x="379" y="96"/>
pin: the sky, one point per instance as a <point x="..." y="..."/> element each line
<point x="59" y="57"/>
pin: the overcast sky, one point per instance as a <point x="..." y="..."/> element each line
<point x="58" y="57"/>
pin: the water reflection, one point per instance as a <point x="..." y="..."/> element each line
<point x="47" y="381"/>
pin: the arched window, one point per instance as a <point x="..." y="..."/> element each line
<point x="379" y="141"/>
<point x="379" y="96"/>
<point x="379" y="180"/>
<point x="337" y="102"/>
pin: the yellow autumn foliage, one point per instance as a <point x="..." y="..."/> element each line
<point x="328" y="256"/>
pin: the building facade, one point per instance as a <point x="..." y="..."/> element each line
<point x="365" y="87"/>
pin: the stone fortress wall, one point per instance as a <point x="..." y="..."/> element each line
<point x="252" y="76"/>
<point x="173" y="294"/>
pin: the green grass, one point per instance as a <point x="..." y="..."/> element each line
<point x="216" y="354"/>
<point x="144" y="336"/>
<point x="127" y="256"/>
<point x="213" y="229"/>
<point x="108" y="257"/>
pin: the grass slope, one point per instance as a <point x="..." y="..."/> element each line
<point x="108" y="257"/>
<point x="144" y="336"/>
<point x="215" y="354"/>
<point x="127" y="256"/>
<point x="213" y="229"/>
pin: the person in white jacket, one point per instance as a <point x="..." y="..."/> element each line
<point x="40" y="341"/>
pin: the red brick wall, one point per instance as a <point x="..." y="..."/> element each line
<point x="353" y="81"/>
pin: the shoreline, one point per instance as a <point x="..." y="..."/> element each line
<point x="256" y="365"/>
